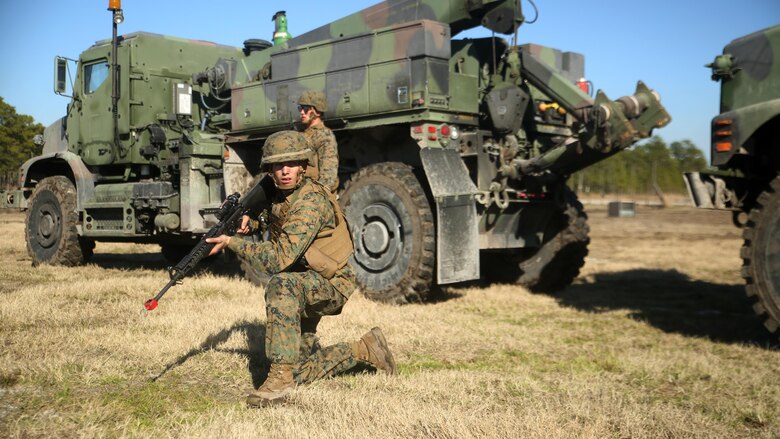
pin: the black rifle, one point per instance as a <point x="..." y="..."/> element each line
<point x="229" y="216"/>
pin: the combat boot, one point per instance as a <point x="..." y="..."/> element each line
<point x="276" y="388"/>
<point x="372" y="348"/>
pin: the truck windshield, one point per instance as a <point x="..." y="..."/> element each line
<point x="94" y="75"/>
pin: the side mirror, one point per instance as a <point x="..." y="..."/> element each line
<point x="61" y="76"/>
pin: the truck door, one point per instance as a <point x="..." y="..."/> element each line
<point x="95" y="124"/>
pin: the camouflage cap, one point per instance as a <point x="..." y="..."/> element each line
<point x="285" y="146"/>
<point x="314" y="98"/>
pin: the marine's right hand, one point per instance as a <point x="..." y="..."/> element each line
<point x="244" y="228"/>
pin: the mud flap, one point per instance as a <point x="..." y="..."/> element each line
<point x="710" y="191"/>
<point x="698" y="190"/>
<point x="457" y="235"/>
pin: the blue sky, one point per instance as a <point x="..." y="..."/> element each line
<point x="665" y="43"/>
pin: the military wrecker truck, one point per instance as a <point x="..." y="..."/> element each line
<point x="745" y="155"/>
<point x="454" y="153"/>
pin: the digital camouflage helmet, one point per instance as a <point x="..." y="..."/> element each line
<point x="314" y="98"/>
<point x="285" y="146"/>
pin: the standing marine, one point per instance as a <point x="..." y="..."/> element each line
<point x="307" y="257"/>
<point x="311" y="106"/>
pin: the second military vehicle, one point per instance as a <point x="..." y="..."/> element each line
<point x="744" y="150"/>
<point x="454" y="152"/>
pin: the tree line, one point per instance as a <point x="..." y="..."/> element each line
<point x="647" y="168"/>
<point x="16" y="142"/>
<point x="650" y="167"/>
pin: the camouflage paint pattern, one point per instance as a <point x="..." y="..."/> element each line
<point x="390" y="64"/>
<point x="459" y="14"/>
<point x="557" y="71"/>
<point x="405" y="65"/>
<point x="396" y="82"/>
<point x="383" y="37"/>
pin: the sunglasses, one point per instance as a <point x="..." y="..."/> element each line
<point x="305" y="108"/>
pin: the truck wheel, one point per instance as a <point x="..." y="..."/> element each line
<point x="392" y="230"/>
<point x="761" y="255"/>
<point x="51" y="234"/>
<point x="554" y="265"/>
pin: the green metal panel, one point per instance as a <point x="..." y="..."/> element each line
<point x="344" y="98"/>
<point x="749" y="71"/>
<point x="362" y="74"/>
<point x="110" y="211"/>
<point x="389" y="86"/>
<point x="461" y="15"/>
<point x="755" y="70"/>
<point x="252" y="108"/>
<point x="94" y="118"/>
<point x="151" y="66"/>
<point x="464" y="93"/>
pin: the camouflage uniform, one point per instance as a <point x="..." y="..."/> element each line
<point x="307" y="254"/>
<point x="297" y="296"/>
<point x="321" y="139"/>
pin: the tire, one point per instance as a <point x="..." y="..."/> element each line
<point x="51" y="233"/>
<point x="392" y="229"/>
<point x="761" y="256"/>
<point x="553" y="266"/>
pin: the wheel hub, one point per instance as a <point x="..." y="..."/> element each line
<point x="380" y="238"/>
<point x="48" y="226"/>
<point x="376" y="238"/>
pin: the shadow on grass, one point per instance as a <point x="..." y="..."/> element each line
<point x="217" y="264"/>
<point x="258" y="364"/>
<point x="255" y="336"/>
<point x="674" y="303"/>
<point x="130" y="261"/>
<point x="442" y="294"/>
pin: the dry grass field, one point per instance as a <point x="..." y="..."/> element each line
<point x="654" y="339"/>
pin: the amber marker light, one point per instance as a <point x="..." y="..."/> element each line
<point x="114" y="5"/>
<point x="723" y="146"/>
